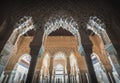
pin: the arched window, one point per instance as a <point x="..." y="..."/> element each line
<point x="20" y="70"/>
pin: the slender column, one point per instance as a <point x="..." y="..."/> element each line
<point x="76" y="78"/>
<point x="41" y="77"/>
<point x="50" y="69"/>
<point x="68" y="69"/>
<point x="11" y="78"/>
<point x="110" y="77"/>
<point x="38" y="78"/>
<point x="35" y="77"/>
<point x="74" y="81"/>
<point x="64" y="76"/>
<point x="87" y="51"/>
<point x="71" y="78"/>
<point x="80" y="77"/>
<point x="6" y="79"/>
<point x="23" y="79"/>
<point x="84" y="79"/>
<point x="2" y="77"/>
<point x="53" y="77"/>
<point x="89" y="63"/>
<point x="87" y="78"/>
<point x="31" y="70"/>
<point x="35" y="48"/>
<point x="2" y="81"/>
<point x="38" y="68"/>
<point x="81" y="66"/>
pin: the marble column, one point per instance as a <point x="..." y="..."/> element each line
<point x="6" y="79"/>
<point x="41" y="77"/>
<point x="86" y="52"/>
<point x="2" y="77"/>
<point x="110" y="77"/>
<point x="84" y="78"/>
<point x="30" y="75"/>
<point x="23" y="79"/>
<point x="11" y="78"/>
<point x="51" y="69"/>
<point x="68" y="69"/>
<point x="35" y="46"/>
<point x="37" y="77"/>
<point x="80" y="77"/>
<point x="89" y="64"/>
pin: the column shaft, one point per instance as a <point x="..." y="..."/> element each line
<point x="51" y="68"/>
<point x="35" y="46"/>
<point x="110" y="77"/>
<point x="89" y="63"/>
<point x="30" y="75"/>
<point x="68" y="69"/>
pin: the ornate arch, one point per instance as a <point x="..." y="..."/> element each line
<point x="67" y="23"/>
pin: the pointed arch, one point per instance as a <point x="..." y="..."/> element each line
<point x="67" y="23"/>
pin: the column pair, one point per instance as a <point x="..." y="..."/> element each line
<point x="7" y="77"/>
